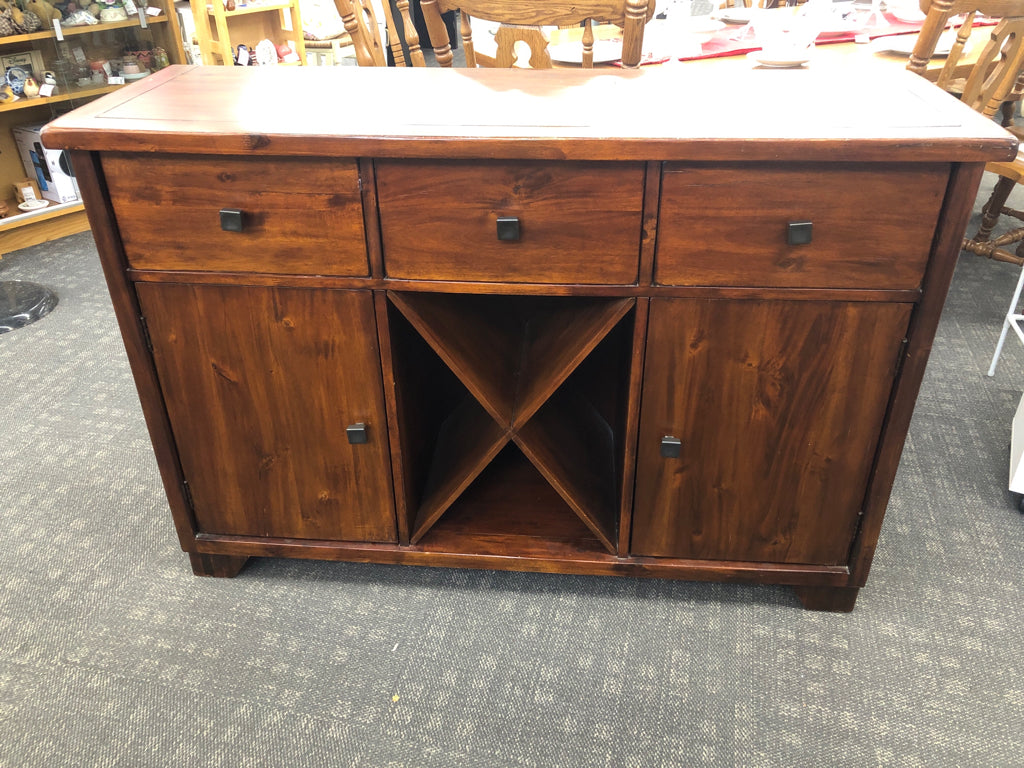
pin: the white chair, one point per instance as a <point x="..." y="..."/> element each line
<point x="1012" y="320"/>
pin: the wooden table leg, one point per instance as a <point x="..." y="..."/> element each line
<point x="840" y="599"/>
<point x="224" y="566"/>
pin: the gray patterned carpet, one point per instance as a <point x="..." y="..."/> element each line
<point x="113" y="654"/>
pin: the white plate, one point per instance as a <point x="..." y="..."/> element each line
<point x="735" y="15"/>
<point x="572" y="53"/>
<point x="33" y="205"/>
<point x="759" y="57"/>
<point x="904" y="44"/>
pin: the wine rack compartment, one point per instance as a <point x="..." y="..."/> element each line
<point x="498" y="395"/>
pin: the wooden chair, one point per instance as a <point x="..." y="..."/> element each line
<point x="521" y="20"/>
<point x="360" y="22"/>
<point x="997" y="78"/>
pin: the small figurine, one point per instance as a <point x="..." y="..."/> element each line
<point x="31" y="87"/>
<point x="160" y="59"/>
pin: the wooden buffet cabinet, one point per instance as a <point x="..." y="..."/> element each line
<point x="533" y="321"/>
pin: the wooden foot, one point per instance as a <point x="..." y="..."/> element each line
<point x="839" y="599"/>
<point x="224" y="566"/>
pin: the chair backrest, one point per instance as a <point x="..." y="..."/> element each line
<point x="360" y="22"/>
<point x="521" y="21"/>
<point x="998" y="74"/>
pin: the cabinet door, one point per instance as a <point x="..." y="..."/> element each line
<point x="260" y="385"/>
<point x="778" y="406"/>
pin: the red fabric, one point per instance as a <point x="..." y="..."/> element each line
<point x="722" y="43"/>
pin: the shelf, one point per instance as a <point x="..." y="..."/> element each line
<point x="511" y="510"/>
<point x="80" y="30"/>
<point x="511" y="352"/>
<point x="469" y="439"/>
<point x="477" y="344"/>
<point x="522" y="367"/>
<point x="52" y="211"/>
<point x="261" y="8"/>
<point x="574" y="448"/>
<point x="70" y="95"/>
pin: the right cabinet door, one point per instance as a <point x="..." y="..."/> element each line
<point x="777" y="407"/>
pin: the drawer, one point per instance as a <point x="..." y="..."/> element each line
<point x="726" y="224"/>
<point x="300" y="216"/>
<point x="578" y="222"/>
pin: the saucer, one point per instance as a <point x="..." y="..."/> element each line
<point x="777" y="62"/>
<point x="33" y="205"/>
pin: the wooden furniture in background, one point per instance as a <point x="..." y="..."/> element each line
<point x="520" y="22"/>
<point x="219" y="31"/>
<point x="475" y="340"/>
<point x="995" y="80"/>
<point x="100" y="41"/>
<point x="363" y="28"/>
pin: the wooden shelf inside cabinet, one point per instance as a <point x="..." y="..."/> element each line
<point x="574" y="448"/>
<point x="515" y="357"/>
<point x="220" y="31"/>
<point x="511" y="353"/>
<point x="511" y="510"/>
<point x="84" y="29"/>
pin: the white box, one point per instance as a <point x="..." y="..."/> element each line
<point x="51" y="168"/>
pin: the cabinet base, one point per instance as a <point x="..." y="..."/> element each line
<point x="223" y="566"/>
<point x="840" y="599"/>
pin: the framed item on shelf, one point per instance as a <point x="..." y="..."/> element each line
<point x="28" y="60"/>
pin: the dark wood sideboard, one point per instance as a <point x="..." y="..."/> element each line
<point x="546" y="321"/>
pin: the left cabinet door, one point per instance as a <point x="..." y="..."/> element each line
<point x="261" y="384"/>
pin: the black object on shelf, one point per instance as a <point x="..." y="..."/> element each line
<point x="22" y="303"/>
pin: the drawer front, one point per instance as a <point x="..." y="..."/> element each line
<point x="299" y="216"/>
<point x="871" y="227"/>
<point x="578" y="222"/>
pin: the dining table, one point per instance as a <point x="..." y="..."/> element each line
<point x="879" y="44"/>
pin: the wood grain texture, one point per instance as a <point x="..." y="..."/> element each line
<point x="871" y="225"/>
<point x="779" y="407"/>
<point x="399" y="466"/>
<point x="301" y="217"/>
<point x="535" y="556"/>
<point x="555" y="341"/>
<point x="631" y="423"/>
<point x="479" y="346"/>
<point x="574" y="449"/>
<point x="260" y="385"/>
<point x="467" y="442"/>
<point x="859" y="112"/>
<point x="555" y="203"/>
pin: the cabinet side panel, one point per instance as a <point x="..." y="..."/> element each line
<point x="778" y="406"/>
<point x="260" y="385"/>
<point x="960" y="195"/>
<point x="129" y="319"/>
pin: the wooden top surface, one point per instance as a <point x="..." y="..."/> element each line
<point x="662" y="113"/>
